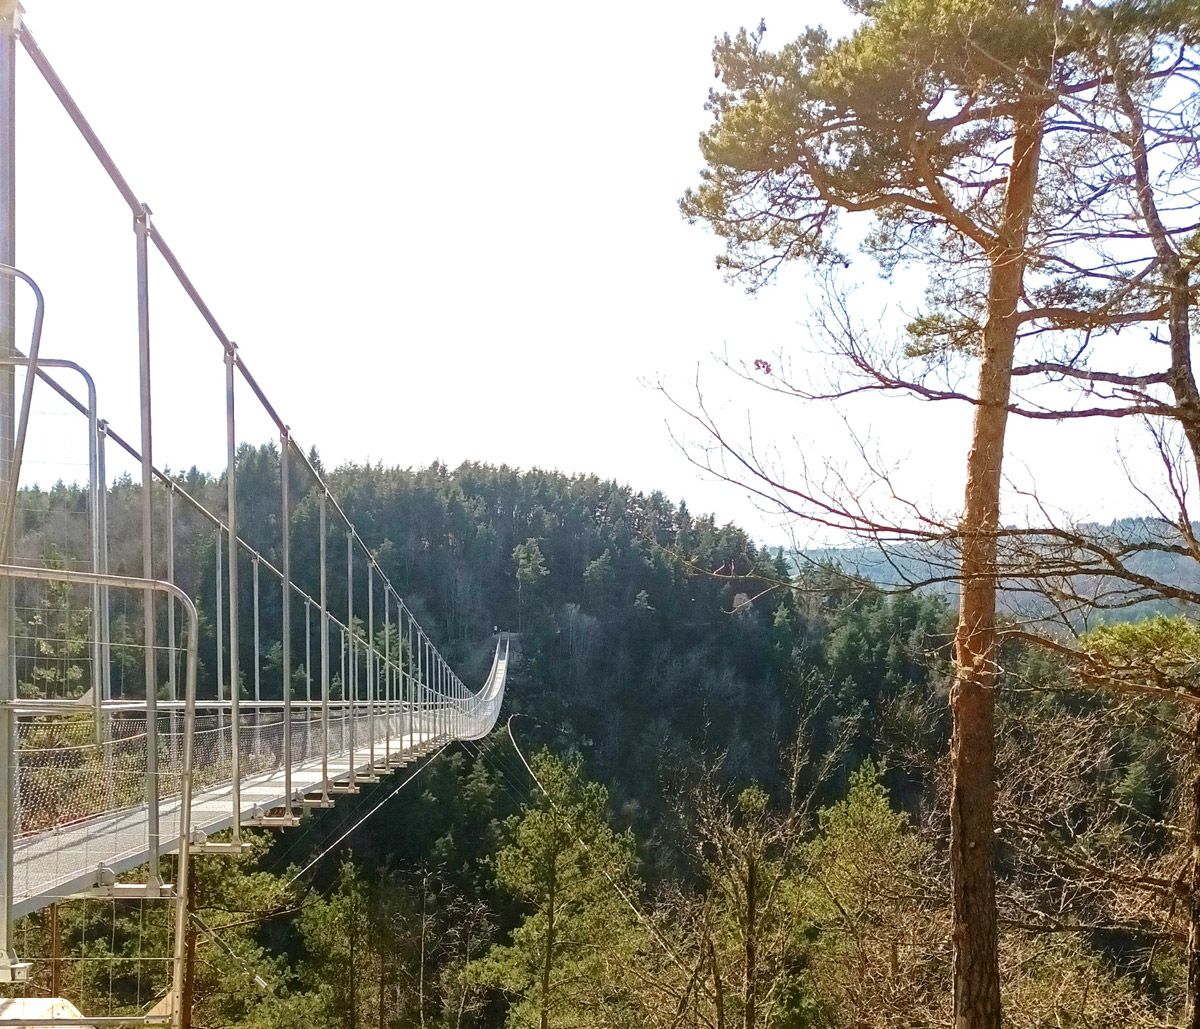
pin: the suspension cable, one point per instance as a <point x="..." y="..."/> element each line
<point x="621" y="892"/>
<point x="324" y="853"/>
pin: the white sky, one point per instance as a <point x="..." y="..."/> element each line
<point x="436" y="231"/>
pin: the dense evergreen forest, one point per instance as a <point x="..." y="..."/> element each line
<point x="738" y="810"/>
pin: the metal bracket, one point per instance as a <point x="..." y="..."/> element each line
<point x="225" y="849"/>
<point x="14" y="971"/>
<point x="106" y="886"/>
<point x="289" y="821"/>
<point x="199" y="845"/>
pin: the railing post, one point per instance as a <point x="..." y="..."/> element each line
<point x="257" y="663"/>
<point x="371" y="660"/>
<point x="387" y="674"/>
<point x="105" y="613"/>
<point x="172" y="688"/>
<point x="419" y="683"/>
<point x="183" y="860"/>
<point x="431" y="689"/>
<point x="11" y="969"/>
<point x="412" y="689"/>
<point x="324" y="656"/>
<point x="422" y="676"/>
<point x="350" y="682"/>
<point x="257" y="639"/>
<point x="141" y="224"/>
<point x="285" y="561"/>
<point x="308" y="712"/>
<point x="94" y="532"/>
<point x="220" y="584"/>
<point x="235" y="679"/>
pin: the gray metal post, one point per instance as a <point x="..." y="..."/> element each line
<point x="141" y="225"/>
<point x="235" y="679"/>
<point x="342" y="633"/>
<point x="431" y="686"/>
<point x="410" y="711"/>
<point x="172" y="689"/>
<point x="387" y="673"/>
<point x="285" y="561"/>
<point x="324" y="658"/>
<point x="94" y="530"/>
<point x="257" y="664"/>
<point x="415" y="666"/>
<point x="257" y="640"/>
<point x="422" y="677"/>
<point x="183" y="861"/>
<point x="350" y="683"/>
<point x="371" y="660"/>
<point x="220" y="584"/>
<point x="10" y="968"/>
<point x="105" y="612"/>
<point x="308" y="712"/>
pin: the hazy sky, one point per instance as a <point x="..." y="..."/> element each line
<point x="436" y="231"/>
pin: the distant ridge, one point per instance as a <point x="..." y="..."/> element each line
<point x="929" y="568"/>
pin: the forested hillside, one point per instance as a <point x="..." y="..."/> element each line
<point x="738" y="812"/>
<point x="1158" y="553"/>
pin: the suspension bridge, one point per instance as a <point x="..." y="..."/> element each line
<point x="147" y="719"/>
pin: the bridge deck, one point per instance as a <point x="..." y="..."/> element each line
<point x="62" y="861"/>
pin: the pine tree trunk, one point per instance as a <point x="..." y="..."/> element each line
<point x="55" y="953"/>
<point x="751" y="970"/>
<point x="352" y="1014"/>
<point x="187" y="995"/>
<point x="1191" y="1018"/>
<point x="972" y="697"/>
<point x="548" y="962"/>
